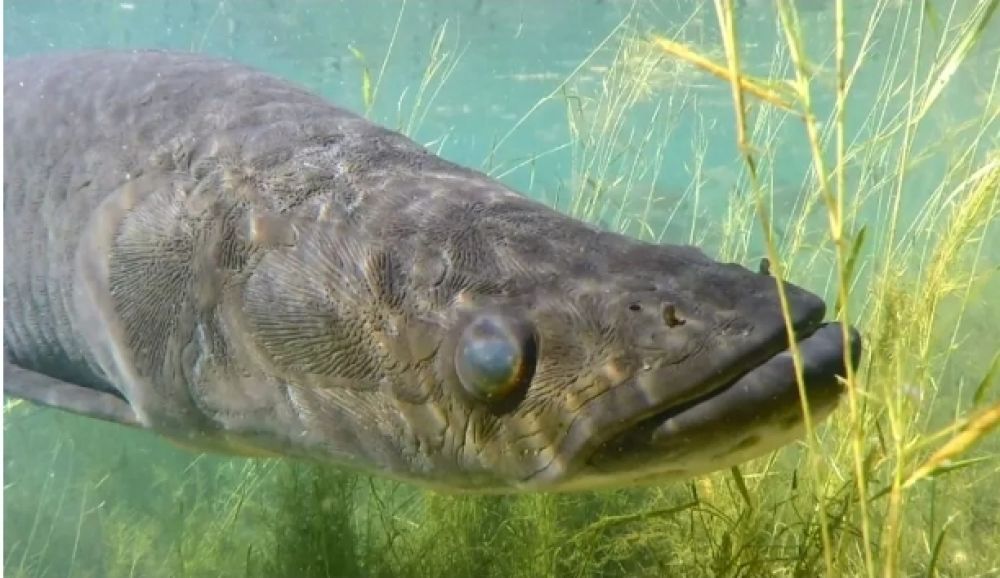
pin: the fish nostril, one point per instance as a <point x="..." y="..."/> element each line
<point x="634" y="307"/>
<point x="669" y="313"/>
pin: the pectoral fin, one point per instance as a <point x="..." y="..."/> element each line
<point x="49" y="391"/>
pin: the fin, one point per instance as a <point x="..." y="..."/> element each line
<point x="222" y="446"/>
<point x="49" y="391"/>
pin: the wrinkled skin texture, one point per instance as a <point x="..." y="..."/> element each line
<point x="254" y="270"/>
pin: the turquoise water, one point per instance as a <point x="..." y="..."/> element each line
<point x="88" y="499"/>
<point x="512" y="54"/>
<point x="509" y="56"/>
<point x="309" y="42"/>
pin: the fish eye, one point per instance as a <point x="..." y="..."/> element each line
<point x="495" y="356"/>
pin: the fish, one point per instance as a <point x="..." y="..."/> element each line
<point x="199" y="249"/>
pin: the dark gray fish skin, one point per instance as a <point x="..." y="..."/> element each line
<point x="244" y="267"/>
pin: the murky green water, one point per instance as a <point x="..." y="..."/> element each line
<point x="526" y="91"/>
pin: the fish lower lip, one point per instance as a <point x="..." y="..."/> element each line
<point x="764" y="398"/>
<point x="768" y="393"/>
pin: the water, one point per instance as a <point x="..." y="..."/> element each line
<point x="526" y="91"/>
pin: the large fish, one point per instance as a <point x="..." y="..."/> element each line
<point x="200" y="249"/>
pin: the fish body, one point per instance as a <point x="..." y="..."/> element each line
<point x="200" y="249"/>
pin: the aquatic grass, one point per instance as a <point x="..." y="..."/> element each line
<point x="441" y="62"/>
<point x="489" y="163"/>
<point x="440" y="65"/>
<point x="618" y="138"/>
<point x="756" y="87"/>
<point x="847" y="247"/>
<point x="727" y="24"/>
<point x="972" y="217"/>
<point x="370" y="84"/>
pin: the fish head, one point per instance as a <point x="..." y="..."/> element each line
<point x="484" y="342"/>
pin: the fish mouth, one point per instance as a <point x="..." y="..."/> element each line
<point x="751" y="413"/>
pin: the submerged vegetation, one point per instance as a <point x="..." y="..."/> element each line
<point x="895" y="218"/>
